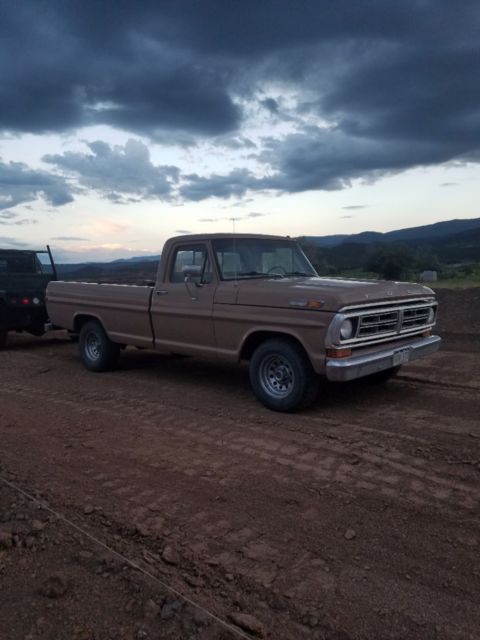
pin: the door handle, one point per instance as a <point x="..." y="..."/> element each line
<point x="161" y="292"/>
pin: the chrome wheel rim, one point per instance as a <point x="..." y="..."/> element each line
<point x="92" y="346"/>
<point x="276" y="376"/>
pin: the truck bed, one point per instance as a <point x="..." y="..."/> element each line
<point x="124" y="310"/>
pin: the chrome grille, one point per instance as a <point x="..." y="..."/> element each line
<point x="386" y="321"/>
<point x="415" y="317"/>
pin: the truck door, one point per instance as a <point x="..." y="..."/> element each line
<point x="182" y="311"/>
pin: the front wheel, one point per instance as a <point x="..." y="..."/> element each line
<point x="282" y="376"/>
<point x="97" y="351"/>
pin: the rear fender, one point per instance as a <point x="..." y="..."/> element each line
<point x="79" y="319"/>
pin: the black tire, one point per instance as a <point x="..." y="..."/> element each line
<point x="97" y="351"/>
<point x="282" y="376"/>
<point x="36" y="330"/>
<point x="381" y="377"/>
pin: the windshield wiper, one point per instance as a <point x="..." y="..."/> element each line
<point x="258" y="274"/>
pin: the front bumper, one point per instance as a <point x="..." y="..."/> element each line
<point x="343" y="369"/>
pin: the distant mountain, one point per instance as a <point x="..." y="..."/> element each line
<point x="454" y="241"/>
<point x="459" y="247"/>
<point x="429" y="233"/>
<point x="134" y="271"/>
<point x="137" y="259"/>
<point x="366" y="237"/>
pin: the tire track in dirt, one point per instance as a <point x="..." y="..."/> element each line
<point x="390" y="474"/>
<point x="415" y="408"/>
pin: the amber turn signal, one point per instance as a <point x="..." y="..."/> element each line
<point x="339" y="353"/>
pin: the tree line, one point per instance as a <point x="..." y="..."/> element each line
<point x="391" y="261"/>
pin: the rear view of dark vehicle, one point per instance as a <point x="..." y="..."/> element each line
<point x="24" y="276"/>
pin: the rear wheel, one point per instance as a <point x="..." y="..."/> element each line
<point x="97" y="351"/>
<point x="36" y="330"/>
<point x="282" y="376"/>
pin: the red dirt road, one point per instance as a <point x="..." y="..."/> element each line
<point x="359" y="519"/>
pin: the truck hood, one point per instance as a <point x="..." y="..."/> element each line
<point x="332" y="293"/>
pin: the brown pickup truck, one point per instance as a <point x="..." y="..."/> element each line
<point x="257" y="299"/>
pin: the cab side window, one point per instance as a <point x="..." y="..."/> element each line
<point x="191" y="256"/>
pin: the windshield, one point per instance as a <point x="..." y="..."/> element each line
<point x="259" y="258"/>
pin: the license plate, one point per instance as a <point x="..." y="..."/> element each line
<point x="401" y="356"/>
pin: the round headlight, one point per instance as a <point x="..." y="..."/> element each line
<point x="431" y="316"/>
<point x="346" y="329"/>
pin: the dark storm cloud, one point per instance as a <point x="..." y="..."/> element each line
<point x="316" y="158"/>
<point x="331" y="159"/>
<point x="19" y="184"/>
<point x="70" y="64"/>
<point x="236" y="183"/>
<point x="396" y="84"/>
<point x="114" y="171"/>
<point x="270" y="105"/>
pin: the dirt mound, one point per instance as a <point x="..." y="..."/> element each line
<point x="459" y="317"/>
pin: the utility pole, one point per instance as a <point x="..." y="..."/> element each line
<point x="233" y="223"/>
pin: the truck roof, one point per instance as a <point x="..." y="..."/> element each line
<point x="222" y="236"/>
<point x="16" y="251"/>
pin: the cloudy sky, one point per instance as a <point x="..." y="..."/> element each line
<point x="123" y="123"/>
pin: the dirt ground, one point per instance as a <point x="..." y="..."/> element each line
<point x="358" y="519"/>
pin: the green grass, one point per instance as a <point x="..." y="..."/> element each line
<point x="462" y="277"/>
<point x="456" y="283"/>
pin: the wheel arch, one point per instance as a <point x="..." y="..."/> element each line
<point x="257" y="337"/>
<point x="81" y="319"/>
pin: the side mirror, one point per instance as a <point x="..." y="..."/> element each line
<point x="191" y="271"/>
